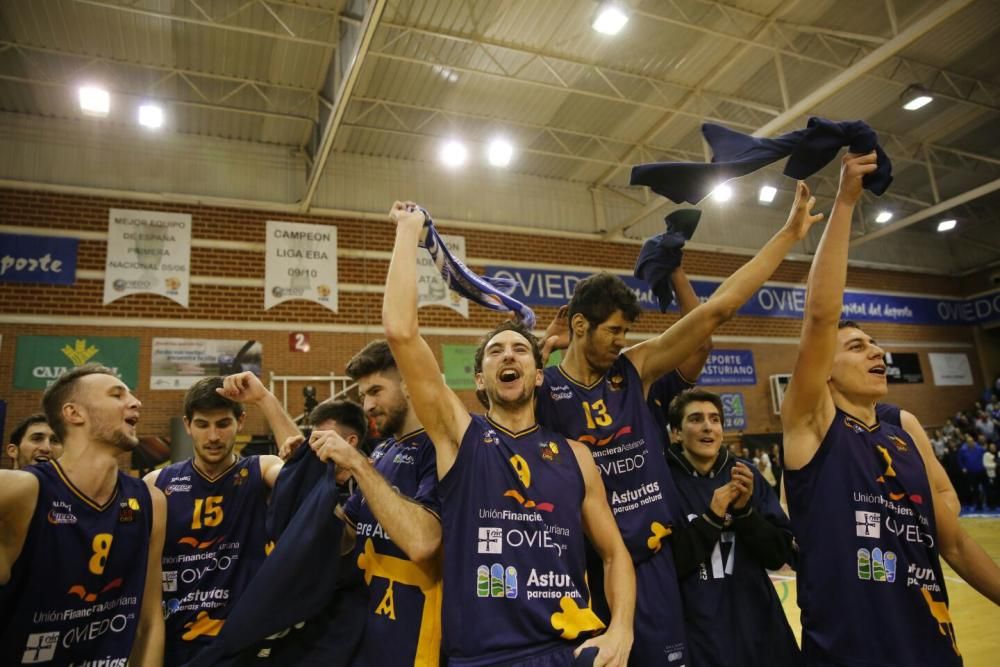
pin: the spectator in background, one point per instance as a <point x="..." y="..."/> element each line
<point x="990" y="464"/>
<point x="764" y="466"/>
<point x="984" y="425"/>
<point x="950" y="430"/>
<point x="954" y="470"/>
<point x="33" y="441"/>
<point x="940" y="444"/>
<point x="970" y="459"/>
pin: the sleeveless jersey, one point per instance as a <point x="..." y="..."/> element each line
<point x="215" y="542"/>
<point x="514" y="582"/>
<point x="732" y="613"/>
<point x="869" y="580"/>
<point x="611" y="417"/>
<point x="662" y="392"/>
<point x="403" y="623"/>
<point x="75" y="592"/>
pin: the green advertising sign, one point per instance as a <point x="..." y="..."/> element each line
<point x="458" y="366"/>
<point x="39" y="360"/>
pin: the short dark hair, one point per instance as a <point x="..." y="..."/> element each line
<point x="597" y="297"/>
<point x="346" y="413"/>
<point x="60" y="392"/>
<point x="847" y="324"/>
<point x="22" y="427"/>
<point x="675" y="413"/>
<point x="375" y="357"/>
<point x="203" y="397"/>
<point x="506" y="325"/>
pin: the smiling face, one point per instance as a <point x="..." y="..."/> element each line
<point x="700" y="432"/>
<point x="109" y="409"/>
<point x="858" y="370"/>
<point x="213" y="435"/>
<point x="509" y="374"/>
<point x="38" y="444"/>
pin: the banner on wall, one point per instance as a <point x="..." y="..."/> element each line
<point x="39" y="360"/>
<point x="459" y="364"/>
<point x="180" y="362"/>
<point x="37" y="259"/>
<point x="734" y="414"/>
<point x="149" y="252"/>
<point x="554" y="287"/>
<point x="950" y="368"/>
<point x="300" y="263"/>
<point x="431" y="288"/>
<point x="728" y="367"/>
<point x="903" y="367"/>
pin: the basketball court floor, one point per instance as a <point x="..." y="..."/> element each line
<point x="976" y="619"/>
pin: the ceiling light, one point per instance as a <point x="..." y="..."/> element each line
<point x="94" y="100"/>
<point x="610" y="20"/>
<point x="883" y="217"/>
<point x="916" y="97"/>
<point x="150" y="116"/>
<point x="722" y="193"/>
<point x="767" y="193"/>
<point x="453" y="153"/>
<point x="500" y="152"/>
<point x="946" y="225"/>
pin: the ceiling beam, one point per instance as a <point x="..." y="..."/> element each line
<point x="335" y="117"/>
<point x="929" y="212"/>
<point x="916" y="30"/>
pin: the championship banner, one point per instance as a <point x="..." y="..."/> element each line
<point x="431" y="288"/>
<point x="728" y="367"/>
<point x="39" y="360"/>
<point x="149" y="252"/>
<point x="37" y="259"/>
<point x="301" y="263"/>
<point x="180" y="362"/>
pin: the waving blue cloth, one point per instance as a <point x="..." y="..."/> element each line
<point x="490" y="292"/>
<point x="735" y="154"/>
<point x="661" y="254"/>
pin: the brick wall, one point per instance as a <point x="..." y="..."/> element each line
<point x="330" y="351"/>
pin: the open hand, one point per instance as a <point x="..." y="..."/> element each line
<point x="801" y="218"/>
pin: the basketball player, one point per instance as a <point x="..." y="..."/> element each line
<point x="868" y="504"/>
<point x="215" y="536"/>
<point x="80" y="540"/>
<point x="598" y="395"/>
<point x="393" y="518"/>
<point x="32" y="441"/>
<point x="732" y="613"/>
<point x="516" y="499"/>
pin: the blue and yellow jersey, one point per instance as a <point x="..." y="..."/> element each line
<point x="403" y="623"/>
<point x="514" y="565"/>
<point x="215" y="542"/>
<point x="869" y="576"/>
<point x="76" y="589"/>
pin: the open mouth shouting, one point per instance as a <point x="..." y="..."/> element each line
<point x="877" y="370"/>
<point x="509" y="375"/>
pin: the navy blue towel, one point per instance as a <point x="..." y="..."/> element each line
<point x="300" y="578"/>
<point x="735" y="154"/>
<point x="661" y="254"/>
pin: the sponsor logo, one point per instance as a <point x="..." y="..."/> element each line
<point x="195" y="543"/>
<point x="242" y="477"/>
<point x="402" y="458"/>
<point x="623" y="465"/>
<point x="899" y="443"/>
<point x="490" y="540"/>
<point x="172" y="283"/>
<point x="41" y="647"/>
<point x="202" y="626"/>
<point x="523" y="472"/>
<point x="868" y="524"/>
<point x="631" y="499"/>
<point x="169" y="578"/>
<point x="496" y="581"/>
<point x="61" y="513"/>
<point x="121" y="284"/>
<point x="95" y="629"/>
<point x="592" y="441"/>
<point x="560" y="393"/>
<point x="909" y="531"/>
<point x="81" y="592"/>
<point x="366" y="529"/>
<point x="616" y="382"/>
<point x="179" y="488"/>
<point x="127" y="510"/>
<point x="922" y="577"/>
<point x="490" y="437"/>
<point x="875" y="565"/>
<point x="553" y="585"/>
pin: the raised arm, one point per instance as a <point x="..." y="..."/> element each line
<point x="414" y="528"/>
<point x="147" y="650"/>
<point x="687" y="301"/>
<point x="619" y="574"/>
<point x="957" y="547"/>
<point x="808" y="407"/>
<point x="662" y="354"/>
<point x="442" y="414"/>
<point x="247" y="388"/>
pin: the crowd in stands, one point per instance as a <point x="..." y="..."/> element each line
<point x="967" y="447"/>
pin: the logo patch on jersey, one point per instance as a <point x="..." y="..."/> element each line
<point x="496" y="581"/>
<point x="490" y="540"/>
<point x="868" y="524"/>
<point x="61" y="513"/>
<point x="560" y="393"/>
<point x="592" y="441"/>
<point x="179" y="488"/>
<point x="900" y="444"/>
<point x="81" y="592"/>
<point x="127" y="510"/>
<point x="922" y="577"/>
<point x="550" y="451"/>
<point x="203" y="626"/>
<point x="41" y="647"/>
<point x="241" y="478"/>
<point x="616" y="382"/>
<point x="169" y="578"/>
<point x="194" y="543"/>
<point x="490" y="437"/>
<point x="875" y="565"/>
